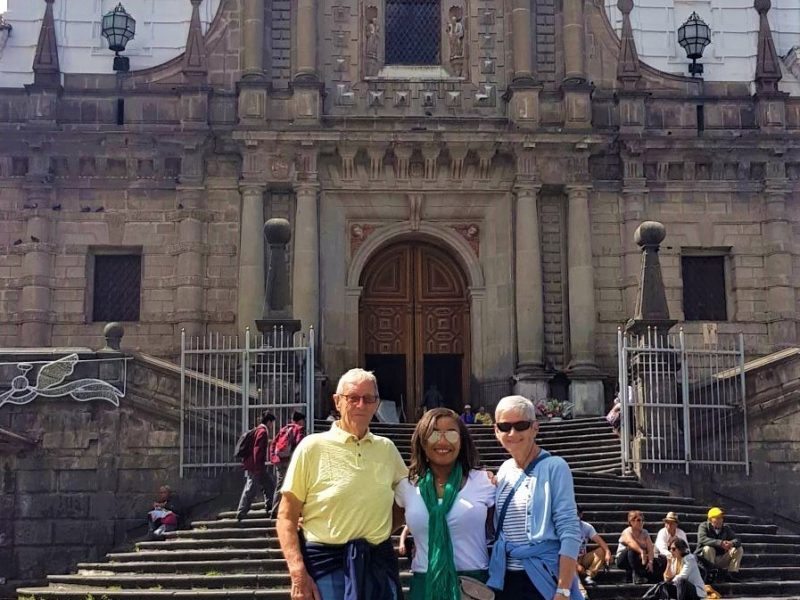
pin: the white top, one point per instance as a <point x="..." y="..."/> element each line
<point x="466" y="521"/>
<point x="587" y="533"/>
<point x="514" y="526"/>
<point x="691" y="573"/>
<point x="663" y="540"/>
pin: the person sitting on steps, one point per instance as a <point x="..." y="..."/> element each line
<point x="682" y="571"/>
<point x="668" y="534"/>
<point x="719" y="547"/>
<point x="636" y="553"/>
<point x="591" y="563"/>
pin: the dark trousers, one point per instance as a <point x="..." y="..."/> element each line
<point x="681" y="590"/>
<point x="253" y="482"/>
<point x="518" y="586"/>
<point x="631" y="562"/>
<point x="280" y="475"/>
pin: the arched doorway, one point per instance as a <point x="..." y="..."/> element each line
<point x="414" y="325"/>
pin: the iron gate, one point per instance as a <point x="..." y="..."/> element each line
<point x="225" y="388"/>
<point x="683" y="404"/>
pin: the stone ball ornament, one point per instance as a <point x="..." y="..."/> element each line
<point x="278" y="231"/>
<point x="762" y="6"/>
<point x="650" y="233"/>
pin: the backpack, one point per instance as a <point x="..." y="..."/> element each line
<point x="244" y="445"/>
<point x="284" y="443"/>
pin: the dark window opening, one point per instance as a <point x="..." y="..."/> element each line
<point x="701" y="119"/>
<point x="413" y="29"/>
<point x="117" y="287"/>
<point x="120" y="111"/>
<point x="704" y="293"/>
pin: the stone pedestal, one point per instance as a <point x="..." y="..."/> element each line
<point x="577" y="105"/>
<point x="532" y="387"/>
<point x="523" y="105"/>
<point x="306" y="103"/>
<point x="587" y="397"/>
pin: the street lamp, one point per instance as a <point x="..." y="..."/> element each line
<point x="694" y="35"/>
<point x="119" y="28"/>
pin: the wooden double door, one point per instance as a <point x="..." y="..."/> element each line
<point x="414" y="327"/>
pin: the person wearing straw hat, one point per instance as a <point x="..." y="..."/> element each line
<point x="668" y="534"/>
<point x="718" y="545"/>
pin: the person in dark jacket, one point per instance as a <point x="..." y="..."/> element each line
<point x="256" y="474"/>
<point x="718" y="545"/>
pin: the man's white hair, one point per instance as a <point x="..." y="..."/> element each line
<point x="517" y="403"/>
<point x="356" y="376"/>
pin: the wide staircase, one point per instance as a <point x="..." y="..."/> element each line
<point x="223" y="559"/>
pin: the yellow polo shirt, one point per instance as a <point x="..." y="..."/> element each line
<point x="346" y="485"/>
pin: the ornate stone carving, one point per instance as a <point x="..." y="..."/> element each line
<point x="428" y="99"/>
<point x="455" y="39"/>
<point x="486" y="95"/>
<point x="279" y="168"/>
<point x="348" y="155"/>
<point x="375" y="98"/>
<point x="402" y="98"/>
<point x="345" y="95"/>
<point x="402" y="155"/>
<point x="415" y="210"/>
<point x="471" y="233"/>
<point x="453" y="99"/>
<point x="358" y="235"/>
<point x="372" y="42"/>
<point x="457" y="155"/>
<point x="485" y="156"/>
<point x="430" y="152"/>
<point x="376" y="154"/>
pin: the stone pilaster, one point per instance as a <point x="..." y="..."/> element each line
<point x="253" y="34"/>
<point x="530" y="376"/>
<point x="251" y="255"/>
<point x="190" y="296"/>
<point x="778" y="239"/>
<point x="631" y="210"/>
<point x="770" y="102"/>
<point x="305" y="268"/>
<point x="37" y="264"/>
<point x="586" y="389"/>
<point x="574" y="41"/>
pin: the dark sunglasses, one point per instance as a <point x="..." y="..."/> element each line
<point x="518" y="426"/>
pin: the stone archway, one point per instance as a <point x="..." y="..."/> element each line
<point x="414" y="325"/>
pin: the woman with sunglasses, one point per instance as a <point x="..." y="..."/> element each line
<point x="635" y="552"/>
<point x="536" y="520"/>
<point x="684" y="572"/>
<point x="446" y="500"/>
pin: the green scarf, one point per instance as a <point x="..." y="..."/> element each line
<point x="442" y="581"/>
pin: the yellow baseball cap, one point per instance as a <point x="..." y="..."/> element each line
<point x="715" y="512"/>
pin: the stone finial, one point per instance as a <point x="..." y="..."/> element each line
<point x="768" y="68"/>
<point x="628" y="73"/>
<point x="46" y="68"/>
<point x="195" y="67"/>
<point x="113" y="333"/>
<point x="5" y="31"/>
<point x="651" y="303"/>
<point x="278" y="233"/>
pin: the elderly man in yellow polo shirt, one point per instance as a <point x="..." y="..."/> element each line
<point x="341" y="482"/>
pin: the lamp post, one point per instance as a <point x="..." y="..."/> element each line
<point x="119" y="28"/>
<point x="694" y="35"/>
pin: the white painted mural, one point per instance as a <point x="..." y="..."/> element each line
<point x="161" y="30"/>
<point x="731" y="56"/>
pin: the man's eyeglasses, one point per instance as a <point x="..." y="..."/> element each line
<point x="450" y="435"/>
<point x="353" y="399"/>
<point x="516" y="426"/>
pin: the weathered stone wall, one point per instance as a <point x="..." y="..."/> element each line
<point x="87" y="485"/>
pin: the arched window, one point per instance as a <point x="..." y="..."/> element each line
<point x="413" y="32"/>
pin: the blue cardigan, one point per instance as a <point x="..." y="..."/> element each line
<point x="552" y="526"/>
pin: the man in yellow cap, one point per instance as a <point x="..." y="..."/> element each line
<point x="718" y="546"/>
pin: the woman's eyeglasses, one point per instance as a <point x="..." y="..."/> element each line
<point x="516" y="426"/>
<point x="450" y="435"/>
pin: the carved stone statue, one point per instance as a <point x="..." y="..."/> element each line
<point x="455" y="38"/>
<point x="372" y="36"/>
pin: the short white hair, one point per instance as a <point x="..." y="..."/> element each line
<point x="356" y="376"/>
<point x="517" y="403"/>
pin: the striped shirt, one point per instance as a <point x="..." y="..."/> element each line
<point x="517" y="514"/>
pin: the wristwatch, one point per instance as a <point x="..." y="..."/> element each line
<point x="563" y="592"/>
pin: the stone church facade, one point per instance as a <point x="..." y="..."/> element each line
<point x="462" y="197"/>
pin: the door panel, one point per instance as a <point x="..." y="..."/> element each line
<point x="414" y="304"/>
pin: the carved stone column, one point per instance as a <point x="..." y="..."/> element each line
<point x="530" y="376"/>
<point x="586" y="389"/>
<point x="253" y="33"/>
<point x="251" y="255"/>
<point x="36" y="298"/>
<point x="781" y="295"/>
<point x="574" y="41"/>
<point x="305" y="269"/>
<point x="307" y="40"/>
<point x="524" y="92"/>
